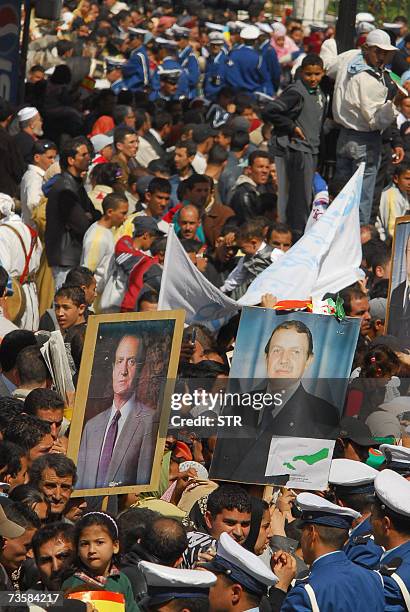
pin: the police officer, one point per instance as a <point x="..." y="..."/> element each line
<point x="187" y="59"/>
<point x="243" y="580"/>
<point x="397" y="458"/>
<point x="136" y="73"/>
<point x="352" y="483"/>
<point x="214" y="78"/>
<point x="244" y="63"/>
<point x="168" y="85"/>
<point x="113" y="74"/>
<point x="170" y="587"/>
<point x="270" y="63"/>
<point x="334" y="582"/>
<point x="168" y="63"/>
<point x="391" y="527"/>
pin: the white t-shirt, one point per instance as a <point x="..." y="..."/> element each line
<point x="98" y="249"/>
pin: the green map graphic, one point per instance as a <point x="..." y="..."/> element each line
<point x="321" y="455"/>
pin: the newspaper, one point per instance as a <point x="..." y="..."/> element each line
<point x="55" y="356"/>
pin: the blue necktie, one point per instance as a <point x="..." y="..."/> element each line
<point x="107" y="450"/>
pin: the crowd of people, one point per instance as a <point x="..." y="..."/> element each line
<point x="139" y="119"/>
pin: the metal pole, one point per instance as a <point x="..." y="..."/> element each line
<point x="345" y="27"/>
<point x="24" y="49"/>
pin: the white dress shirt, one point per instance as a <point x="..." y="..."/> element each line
<point x="125" y="413"/>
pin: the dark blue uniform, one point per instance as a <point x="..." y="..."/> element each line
<point x="136" y="71"/>
<point x="395" y="562"/>
<point x="244" y="69"/>
<point x="361" y="547"/>
<point x="339" y="586"/>
<point x="214" y="78"/>
<point x="169" y="63"/>
<point x="270" y="68"/>
<point x="189" y="64"/>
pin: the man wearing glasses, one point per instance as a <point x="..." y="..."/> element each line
<point x="117" y="446"/>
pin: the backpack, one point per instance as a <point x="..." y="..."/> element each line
<point x="115" y="288"/>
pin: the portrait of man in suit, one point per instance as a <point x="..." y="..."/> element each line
<point x="117" y="446"/>
<point x="289" y="353"/>
<point x="399" y="311"/>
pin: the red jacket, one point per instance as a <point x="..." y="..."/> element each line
<point x="134" y="263"/>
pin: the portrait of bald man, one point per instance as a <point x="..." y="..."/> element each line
<point x="117" y="446"/>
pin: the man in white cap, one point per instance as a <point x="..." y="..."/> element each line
<point x="244" y="65"/>
<point x="364" y="104"/>
<point x="352" y="483"/>
<point x="397" y="459"/>
<point x="334" y="582"/>
<point x="103" y="148"/>
<point x="391" y="528"/>
<point x="214" y="78"/>
<point x="171" y="589"/>
<point x="31" y="129"/>
<point x="243" y="579"/>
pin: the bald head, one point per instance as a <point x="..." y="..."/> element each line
<point x="189" y="221"/>
<point x="166" y="540"/>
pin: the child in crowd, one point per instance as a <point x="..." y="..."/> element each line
<point x="97" y="546"/>
<point x="251" y="239"/>
<point x="298" y="115"/>
<point x="395" y="200"/>
<point x="69" y="306"/>
<point x="98" y="242"/>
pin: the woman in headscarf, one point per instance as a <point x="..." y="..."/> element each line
<point x="286" y="50"/>
<point x="260" y="530"/>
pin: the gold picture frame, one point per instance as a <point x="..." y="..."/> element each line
<point x="395" y="279"/>
<point x="97" y="355"/>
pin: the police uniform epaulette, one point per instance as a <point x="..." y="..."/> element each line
<point x="362" y="539"/>
<point x="302" y="577"/>
<point x="393" y="565"/>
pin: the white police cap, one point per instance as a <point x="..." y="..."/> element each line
<point x="397" y="457"/>
<point x="216" y="38"/>
<point x="166" y="583"/>
<point x="393" y="490"/>
<point x="353" y="476"/>
<point x="250" y="32"/>
<point x="180" y="30"/>
<point x="165" y="42"/>
<point x="241" y="566"/>
<point x="138" y="31"/>
<point x="320" y="511"/>
<point x="217" y="27"/>
<point x="264" y="27"/>
<point x="365" y="17"/>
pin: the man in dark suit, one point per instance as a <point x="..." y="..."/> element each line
<point x="399" y="311"/>
<point x="296" y="413"/>
<point x="117" y="446"/>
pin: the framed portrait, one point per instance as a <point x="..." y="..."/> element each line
<point x="398" y="305"/>
<point x="289" y="378"/>
<point x="128" y="368"/>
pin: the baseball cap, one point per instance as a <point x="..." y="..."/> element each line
<point x="355" y="430"/>
<point x="9" y="529"/>
<point x="378" y="308"/>
<point x="100" y="141"/>
<point x="380" y="39"/>
<point x="143" y="223"/>
<point x="203" y="131"/>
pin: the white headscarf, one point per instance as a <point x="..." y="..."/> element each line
<point x="6" y="206"/>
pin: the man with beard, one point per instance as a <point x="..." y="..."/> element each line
<point x="31" y="129"/>
<point x="53" y="548"/>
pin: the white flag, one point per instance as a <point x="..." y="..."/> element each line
<point x="184" y="286"/>
<point x="326" y="259"/>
